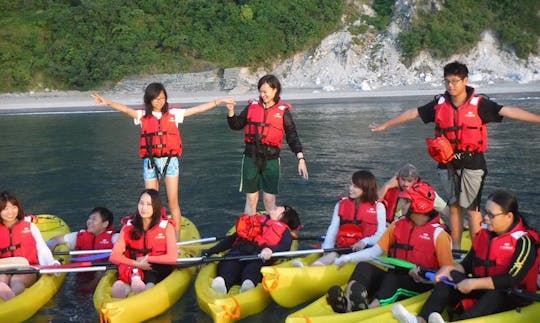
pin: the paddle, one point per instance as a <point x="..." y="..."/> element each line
<point x="396" y="262"/>
<point x="282" y="254"/>
<point x="513" y="291"/>
<point x="102" y="251"/>
<point x="92" y="255"/>
<point x="67" y="268"/>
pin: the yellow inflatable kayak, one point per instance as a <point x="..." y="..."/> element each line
<point x="25" y="305"/>
<point x="320" y="311"/>
<point x="234" y="305"/>
<point x="154" y="301"/>
<point x="290" y="286"/>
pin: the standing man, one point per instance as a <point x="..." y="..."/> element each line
<point x="461" y="118"/>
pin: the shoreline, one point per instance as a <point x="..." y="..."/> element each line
<point x="79" y="101"/>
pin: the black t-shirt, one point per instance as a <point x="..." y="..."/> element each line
<point x="487" y="110"/>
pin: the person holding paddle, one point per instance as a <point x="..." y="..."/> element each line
<point x="19" y="237"/>
<point x="418" y="237"/>
<point x="263" y="234"/>
<point x="358" y="221"/>
<point x="504" y="256"/>
<point x="160" y="144"/>
<point x="145" y="249"/>
<point x="99" y="234"/>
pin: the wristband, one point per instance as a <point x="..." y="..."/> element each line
<point x="299" y="159"/>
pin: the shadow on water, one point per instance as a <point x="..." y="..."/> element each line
<point x="66" y="164"/>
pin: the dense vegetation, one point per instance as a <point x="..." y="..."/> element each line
<point x="84" y="43"/>
<point x="459" y="25"/>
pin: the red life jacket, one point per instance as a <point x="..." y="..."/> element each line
<point x="356" y="222"/>
<point x="391" y="198"/>
<point x="493" y="256"/>
<point x="152" y="242"/>
<point x="272" y="231"/>
<point x="160" y="136"/>
<point x="416" y="243"/>
<point x="18" y="241"/>
<point x="463" y="126"/>
<point x="88" y="241"/>
<point x="266" y="125"/>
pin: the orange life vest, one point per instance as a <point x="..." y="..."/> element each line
<point x="463" y="127"/>
<point x="160" y="137"/>
<point x="266" y="125"/>
<point x="248" y="227"/>
<point x="18" y="241"/>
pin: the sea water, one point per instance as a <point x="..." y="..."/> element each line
<point x="67" y="163"/>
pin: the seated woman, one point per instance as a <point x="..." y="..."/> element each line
<point x="19" y="237"/>
<point x="418" y="237"/>
<point x="503" y="256"/>
<point x="99" y="234"/>
<point x="268" y="234"/>
<point x="145" y="249"/>
<point x="358" y="221"/>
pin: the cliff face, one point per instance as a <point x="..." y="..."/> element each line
<point x="366" y="61"/>
<point x="369" y="61"/>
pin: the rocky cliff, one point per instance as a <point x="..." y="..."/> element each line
<point x="371" y="60"/>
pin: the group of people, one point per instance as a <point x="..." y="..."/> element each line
<point x="403" y="218"/>
<point x="505" y="250"/>
<point x="145" y="248"/>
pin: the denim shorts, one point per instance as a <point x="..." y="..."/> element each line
<point x="149" y="173"/>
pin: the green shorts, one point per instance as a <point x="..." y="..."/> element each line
<point x="254" y="179"/>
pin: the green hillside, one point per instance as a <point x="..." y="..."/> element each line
<point x="84" y="44"/>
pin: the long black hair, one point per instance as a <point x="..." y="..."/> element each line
<point x="151" y="92"/>
<point x="6" y="197"/>
<point x="508" y="203"/>
<point x="273" y="82"/>
<point x="137" y="222"/>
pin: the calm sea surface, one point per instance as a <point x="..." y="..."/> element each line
<point x="65" y="164"/>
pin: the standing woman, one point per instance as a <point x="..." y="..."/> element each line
<point x="145" y="249"/>
<point x="266" y="121"/>
<point x="160" y="141"/>
<point x="19" y="237"/>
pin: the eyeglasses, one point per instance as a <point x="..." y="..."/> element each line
<point x="491" y="215"/>
<point x="160" y="99"/>
<point x="453" y="82"/>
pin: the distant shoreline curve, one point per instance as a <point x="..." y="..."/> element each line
<point x="82" y="102"/>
